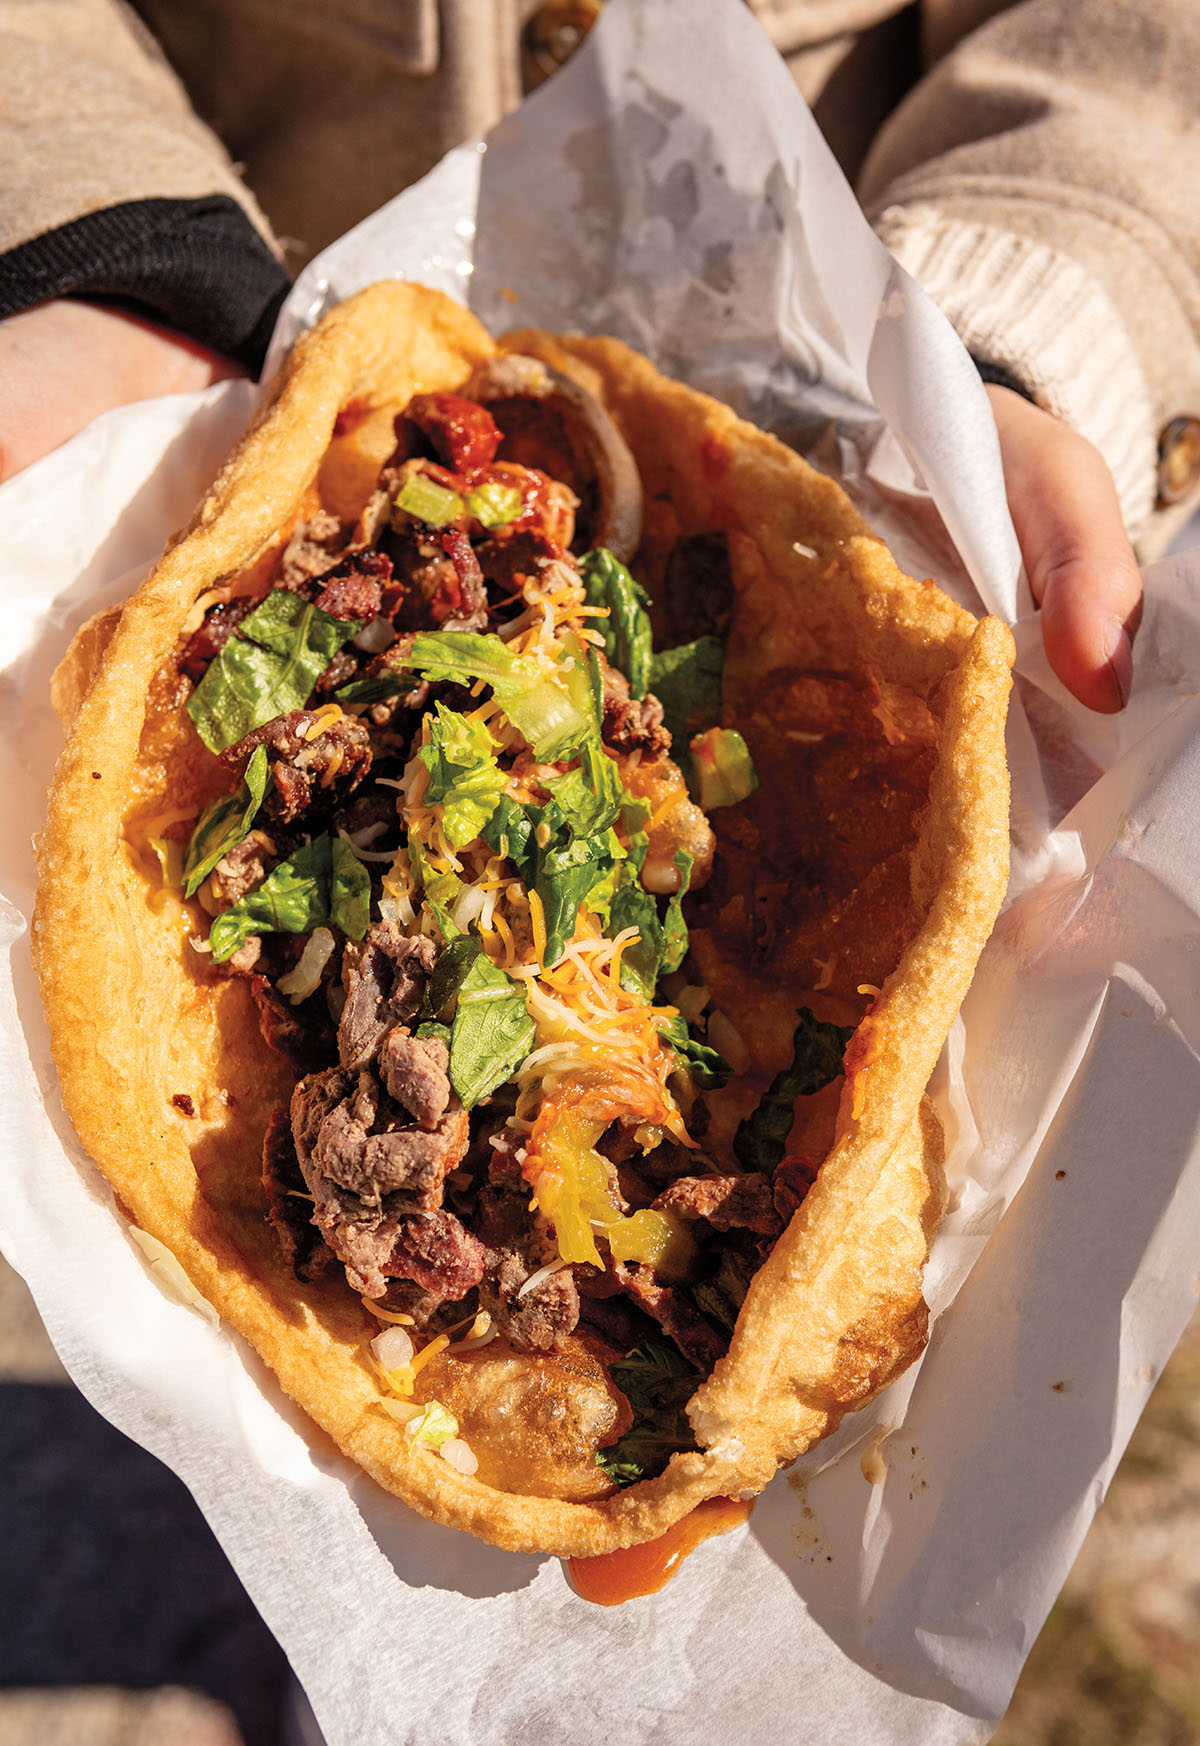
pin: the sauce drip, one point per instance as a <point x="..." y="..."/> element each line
<point x="613" y="1577"/>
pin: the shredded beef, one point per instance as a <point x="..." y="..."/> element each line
<point x="437" y="1251"/>
<point x="207" y="642"/>
<point x="354" y="587"/>
<point x="289" y="1203"/>
<point x="515" y="1249"/>
<point x="311" y="777"/>
<point x="367" y="1144"/>
<point x="632" y="725"/>
<point x="371" y="1180"/>
<point x="384" y="977"/>
<point x="696" y="1338"/>
<point x="507" y="560"/>
<point x="301" y="1034"/>
<point x="415" y="1072"/>
<point x="469" y="611"/>
<point x="342" y="670"/>
<point x="441" y="586"/>
<point x="242" y="869"/>
<point x="725" y="1202"/>
<point x="311" y="552"/>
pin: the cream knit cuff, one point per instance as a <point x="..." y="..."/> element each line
<point x="1043" y="319"/>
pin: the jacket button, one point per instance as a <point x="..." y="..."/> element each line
<point x="552" y="35"/>
<point x="1178" y="458"/>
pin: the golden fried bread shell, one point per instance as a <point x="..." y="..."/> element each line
<point x="170" y="1086"/>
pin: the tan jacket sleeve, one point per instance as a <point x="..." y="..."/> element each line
<point x="1039" y="183"/>
<point x="110" y="186"/>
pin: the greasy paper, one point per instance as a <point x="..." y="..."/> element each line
<point x="889" y="1594"/>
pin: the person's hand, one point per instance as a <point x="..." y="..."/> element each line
<point x="65" y="362"/>
<point x="1077" y="555"/>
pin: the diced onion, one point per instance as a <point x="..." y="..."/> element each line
<point x="393" y="1348"/>
<point x="404" y="1411"/>
<point x="460" y="1455"/>
<point x="469" y="906"/>
<point x="396" y="906"/>
<point x="375" y="637"/>
<point x="305" y="979"/>
<point x="692" y="1000"/>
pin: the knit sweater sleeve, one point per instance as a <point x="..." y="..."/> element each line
<point x="1037" y="182"/>
<point x="111" y="188"/>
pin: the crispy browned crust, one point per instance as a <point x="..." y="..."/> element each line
<point x="836" y="1311"/>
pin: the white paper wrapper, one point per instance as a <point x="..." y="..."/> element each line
<point x="642" y="194"/>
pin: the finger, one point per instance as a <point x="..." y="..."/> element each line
<point x="1072" y="537"/>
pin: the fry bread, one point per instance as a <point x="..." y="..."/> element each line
<point x="874" y="708"/>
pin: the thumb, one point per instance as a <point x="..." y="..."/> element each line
<point x="1081" y="567"/>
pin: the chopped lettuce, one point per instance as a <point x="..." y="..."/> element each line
<point x="442" y="890"/>
<point x="626" y="631"/>
<point x="427" y="501"/>
<point x="687" y="682"/>
<point x="553" y="711"/>
<point x="433" y="1427"/>
<point x="490" y="1031"/>
<point x="493" y="504"/>
<point x="349" y="890"/>
<point x="464" y="777"/>
<point x="707" y="1068"/>
<point x="675" y="934"/>
<point x="567" y="850"/>
<point x="817" y="1050"/>
<point x="658" y="1383"/>
<point x="225" y="823"/>
<point x="322" y="884"/>
<point x="723" y="770"/>
<point x="267" y="668"/>
<point x="662" y="943"/>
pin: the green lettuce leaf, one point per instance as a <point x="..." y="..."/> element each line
<point x="292" y="899"/>
<point x="675" y="934"/>
<point x="489" y="1029"/>
<point x="508" y="832"/>
<point x="687" y="682"/>
<point x="492" y="1032"/>
<point x="349" y="890"/>
<point x="225" y="823"/>
<point x="442" y="890"/>
<point x="267" y="668"/>
<point x="323" y="884"/>
<point x="552" y="711"/>
<point x="658" y="1383"/>
<point x="626" y="631"/>
<point x="464" y="777"/>
<point x="817" y="1050"/>
<point x="707" y="1068"/>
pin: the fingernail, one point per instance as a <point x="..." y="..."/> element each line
<point x="1118" y="651"/>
